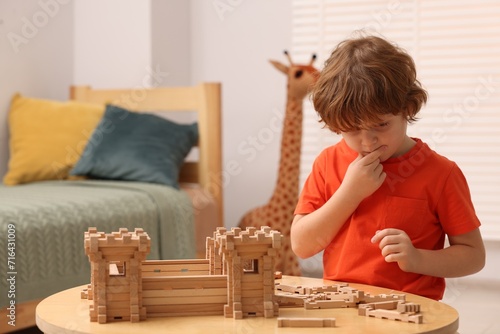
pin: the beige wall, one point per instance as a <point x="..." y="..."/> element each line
<point x="36" y="54"/>
<point x="231" y="42"/>
<point x="112" y="43"/>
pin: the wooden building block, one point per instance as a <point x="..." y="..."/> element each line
<point x="395" y="315"/>
<point x="321" y="289"/>
<point x="266" y="229"/>
<point x="92" y="230"/>
<point x="290" y="300"/>
<point x="251" y="230"/>
<point x="306" y="322"/>
<point x="368" y="298"/>
<point x="386" y="305"/>
<point x="277" y="240"/>
<point x="408" y="307"/>
<point x="261" y="236"/>
<point x="326" y="304"/>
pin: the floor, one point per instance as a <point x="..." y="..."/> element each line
<point x="33" y="330"/>
<point x="477" y="302"/>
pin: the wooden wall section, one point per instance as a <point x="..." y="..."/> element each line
<point x="167" y="296"/>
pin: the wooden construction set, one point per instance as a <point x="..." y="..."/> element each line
<point x="386" y="306"/>
<point x="236" y="279"/>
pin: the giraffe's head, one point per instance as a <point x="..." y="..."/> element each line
<point x="300" y="77"/>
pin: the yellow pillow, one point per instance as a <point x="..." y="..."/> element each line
<point x="47" y="137"/>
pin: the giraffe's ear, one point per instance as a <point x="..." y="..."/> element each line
<point x="280" y="66"/>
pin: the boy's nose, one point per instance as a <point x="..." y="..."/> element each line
<point x="368" y="139"/>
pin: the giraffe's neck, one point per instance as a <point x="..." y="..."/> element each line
<point x="287" y="185"/>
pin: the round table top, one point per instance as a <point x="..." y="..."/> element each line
<point x="66" y="312"/>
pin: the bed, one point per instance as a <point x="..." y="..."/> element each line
<point x="42" y="222"/>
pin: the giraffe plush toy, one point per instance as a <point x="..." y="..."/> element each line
<point x="278" y="212"/>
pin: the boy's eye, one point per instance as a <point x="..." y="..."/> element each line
<point x="381" y="125"/>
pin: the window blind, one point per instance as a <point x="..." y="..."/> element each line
<point x="456" y="48"/>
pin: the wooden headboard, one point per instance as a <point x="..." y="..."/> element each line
<point x="204" y="99"/>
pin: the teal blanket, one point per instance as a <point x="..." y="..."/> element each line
<point x="42" y="227"/>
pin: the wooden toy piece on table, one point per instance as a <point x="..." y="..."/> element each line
<point x="306" y="322"/>
<point x="393" y="310"/>
<point x="392" y="306"/>
<point x="125" y="286"/>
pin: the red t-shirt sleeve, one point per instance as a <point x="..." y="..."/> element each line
<point x="313" y="194"/>
<point x="455" y="209"/>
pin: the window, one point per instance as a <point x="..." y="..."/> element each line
<point x="250" y="266"/>
<point x="456" y="48"/>
<point x="117" y="268"/>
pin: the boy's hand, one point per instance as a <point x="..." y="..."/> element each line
<point x="365" y="174"/>
<point x="396" y="246"/>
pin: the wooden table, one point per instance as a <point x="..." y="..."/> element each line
<point x="65" y="312"/>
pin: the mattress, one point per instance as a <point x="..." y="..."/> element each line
<point x="46" y="221"/>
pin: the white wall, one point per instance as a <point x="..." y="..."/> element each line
<point x="232" y="44"/>
<point x="36" y="55"/>
<point x="112" y="43"/>
<point x="171" y="43"/>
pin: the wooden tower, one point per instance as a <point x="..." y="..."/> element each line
<point x="250" y="291"/>
<point x="116" y="280"/>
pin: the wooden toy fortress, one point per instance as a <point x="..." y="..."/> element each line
<point x="125" y="286"/>
<point x="236" y="279"/>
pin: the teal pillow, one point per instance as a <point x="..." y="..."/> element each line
<point x="136" y="147"/>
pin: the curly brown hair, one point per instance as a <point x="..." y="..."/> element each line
<point x="363" y="79"/>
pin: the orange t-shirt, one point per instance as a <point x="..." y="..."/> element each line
<point x="424" y="194"/>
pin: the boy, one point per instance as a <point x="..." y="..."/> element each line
<point x="379" y="203"/>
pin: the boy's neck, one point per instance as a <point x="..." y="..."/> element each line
<point x="406" y="147"/>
